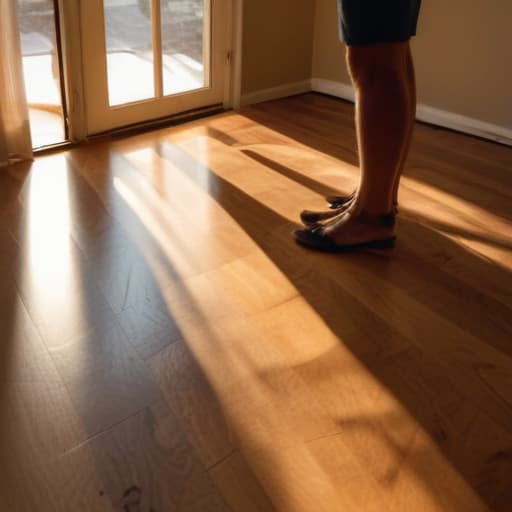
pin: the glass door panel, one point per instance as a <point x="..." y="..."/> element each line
<point x="185" y="36"/>
<point x="129" y="45"/>
<point x="41" y="70"/>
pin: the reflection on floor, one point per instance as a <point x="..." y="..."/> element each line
<point x="46" y="126"/>
<point x="166" y="346"/>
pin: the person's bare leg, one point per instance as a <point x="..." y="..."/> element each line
<point x="313" y="217"/>
<point x="383" y="120"/>
<point x="411" y="91"/>
<point x="411" y="83"/>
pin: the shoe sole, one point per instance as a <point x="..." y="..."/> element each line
<point x="326" y="244"/>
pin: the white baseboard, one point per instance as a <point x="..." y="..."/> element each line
<point x="427" y="114"/>
<point x="464" y="124"/>
<point x="275" y="93"/>
<point x="424" y="113"/>
<point x="332" y="88"/>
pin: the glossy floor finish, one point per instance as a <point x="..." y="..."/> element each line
<point x="167" y="347"/>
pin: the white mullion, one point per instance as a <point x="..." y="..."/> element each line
<point x="207" y="40"/>
<point x="235" y="73"/>
<point x="156" y="30"/>
<point x="72" y="65"/>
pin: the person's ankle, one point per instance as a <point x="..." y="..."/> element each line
<point x="385" y="218"/>
<point x="370" y="212"/>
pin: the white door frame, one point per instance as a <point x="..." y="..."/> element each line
<point x="233" y="80"/>
<point x="73" y="82"/>
<point x="73" y="63"/>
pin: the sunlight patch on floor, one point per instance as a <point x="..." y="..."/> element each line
<point x="468" y="223"/>
<point x="49" y="224"/>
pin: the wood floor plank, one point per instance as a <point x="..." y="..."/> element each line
<point x="273" y="416"/>
<point x="39" y="423"/>
<point x="437" y="335"/>
<point x="239" y="486"/>
<point x="105" y="377"/>
<point x="143" y="463"/>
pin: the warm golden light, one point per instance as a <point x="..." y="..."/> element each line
<point x="467" y="223"/>
<point x="340" y="421"/>
<point x="131" y="76"/>
<point x="49" y="224"/>
<point x="41" y="73"/>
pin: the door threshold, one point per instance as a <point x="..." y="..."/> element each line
<point x="155" y="124"/>
<point x="135" y="129"/>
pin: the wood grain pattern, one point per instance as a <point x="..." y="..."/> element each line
<point x="165" y="344"/>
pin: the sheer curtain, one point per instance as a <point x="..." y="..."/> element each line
<point x="15" y="143"/>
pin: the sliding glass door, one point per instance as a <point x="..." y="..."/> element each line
<point x="148" y="59"/>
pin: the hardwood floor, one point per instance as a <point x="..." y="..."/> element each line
<point x="166" y="346"/>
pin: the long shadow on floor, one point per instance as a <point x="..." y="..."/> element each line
<point x="451" y="368"/>
<point x="436" y="161"/>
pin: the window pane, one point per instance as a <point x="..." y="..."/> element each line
<point x="41" y="71"/>
<point x="129" y="51"/>
<point x="185" y="29"/>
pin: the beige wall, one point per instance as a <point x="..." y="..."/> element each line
<point x="277" y="43"/>
<point x="328" y="51"/>
<point x="463" y="56"/>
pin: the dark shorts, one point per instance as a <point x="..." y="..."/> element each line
<point x="365" y="22"/>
